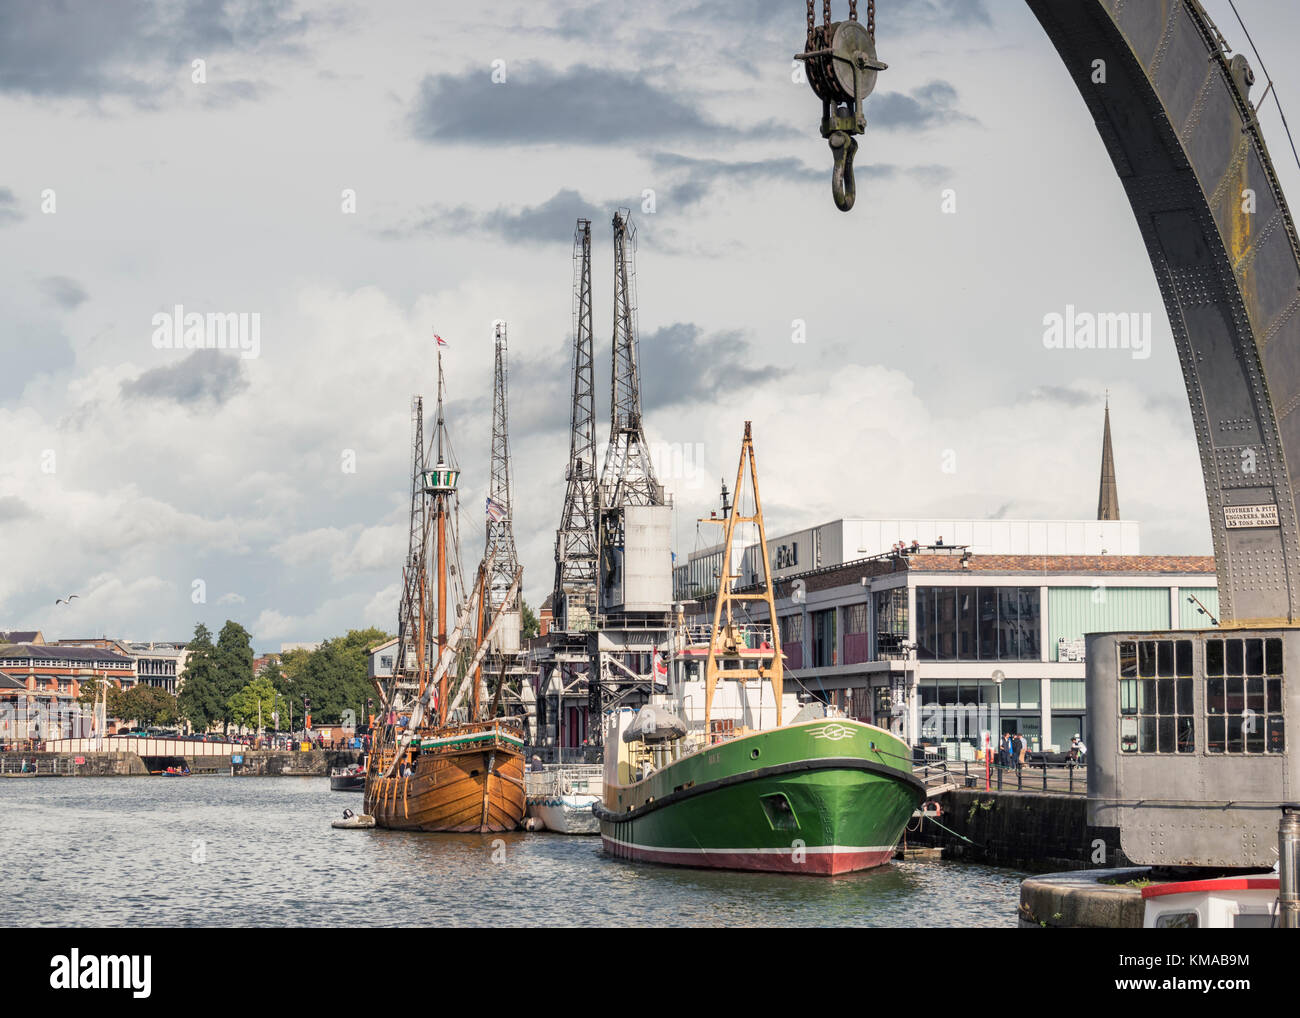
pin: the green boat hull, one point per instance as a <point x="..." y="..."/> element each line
<point x="823" y="798"/>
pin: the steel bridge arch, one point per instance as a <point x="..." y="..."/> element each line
<point x="1174" y="114"/>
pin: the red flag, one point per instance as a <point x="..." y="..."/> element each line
<point x="441" y="341"/>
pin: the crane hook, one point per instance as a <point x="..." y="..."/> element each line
<point x="843" y="187"/>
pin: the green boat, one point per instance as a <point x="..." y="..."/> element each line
<point x="708" y="775"/>
<point x="820" y="797"/>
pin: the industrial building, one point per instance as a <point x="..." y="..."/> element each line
<point x="940" y="644"/>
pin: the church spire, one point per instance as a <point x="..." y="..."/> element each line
<point x="1108" y="498"/>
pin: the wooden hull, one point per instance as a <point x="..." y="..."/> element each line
<point x="476" y="790"/>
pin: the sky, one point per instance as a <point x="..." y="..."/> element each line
<point x="361" y="176"/>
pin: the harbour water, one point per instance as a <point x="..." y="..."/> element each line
<point x="221" y="851"/>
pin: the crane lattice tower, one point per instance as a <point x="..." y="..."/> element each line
<point x="575" y="541"/>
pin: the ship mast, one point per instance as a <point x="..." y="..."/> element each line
<point x="724" y="640"/>
<point x="443" y="485"/>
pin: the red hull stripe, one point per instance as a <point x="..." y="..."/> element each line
<point x="821" y="860"/>
<point x="1261" y="883"/>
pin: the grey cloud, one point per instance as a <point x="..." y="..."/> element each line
<point x="210" y="376"/>
<point x="1060" y="394"/>
<point x="66" y="293"/>
<point x="721" y="360"/>
<point x="687" y="181"/>
<point x="13" y="508"/>
<point x="550" y="222"/>
<point x="8" y="207"/>
<point x="120" y="47"/>
<point x="932" y="105"/>
<point x="699" y="177"/>
<point x="538" y="104"/>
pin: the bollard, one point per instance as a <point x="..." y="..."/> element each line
<point x="1288" y="860"/>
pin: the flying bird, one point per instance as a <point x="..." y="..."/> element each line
<point x="67" y="600"/>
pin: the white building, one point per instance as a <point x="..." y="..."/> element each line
<point x="852" y="538"/>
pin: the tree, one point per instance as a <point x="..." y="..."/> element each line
<point x="148" y="706"/>
<point x="88" y="697"/>
<point x="200" y="698"/>
<point x="532" y="627"/>
<point x="234" y="664"/>
<point x="254" y="703"/>
<point x="334" y="677"/>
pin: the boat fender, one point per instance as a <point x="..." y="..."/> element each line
<point x="348" y="814"/>
<point x="533" y="824"/>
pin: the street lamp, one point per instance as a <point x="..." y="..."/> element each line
<point x="999" y="676"/>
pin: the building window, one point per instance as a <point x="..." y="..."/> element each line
<point x="855" y="618"/>
<point x="1155" y="697"/>
<point x="386" y="661"/>
<point x="978" y="623"/>
<point x="891" y="621"/>
<point x="1243" y="696"/>
<point x="823" y="637"/>
<point x="791" y="628"/>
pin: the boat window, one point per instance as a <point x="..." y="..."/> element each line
<point x="1252" y="921"/>
<point x="1155" y="699"/>
<point x="780" y="814"/>
<point x="1178" y="921"/>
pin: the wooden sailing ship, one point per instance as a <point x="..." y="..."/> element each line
<point x="439" y="761"/>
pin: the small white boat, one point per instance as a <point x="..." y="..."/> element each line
<point x="1218" y="904"/>
<point x="562" y="798"/>
<point x="354" y="821"/>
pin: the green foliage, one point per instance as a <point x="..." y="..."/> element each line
<point x="255" y="702"/>
<point x="531" y="626"/>
<point x="89" y="696"/>
<point x="147" y="706"/>
<point x="200" y="700"/>
<point x="333" y="677"/>
<point x="234" y="657"/>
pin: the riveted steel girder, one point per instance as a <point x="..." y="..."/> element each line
<point x="1188" y="148"/>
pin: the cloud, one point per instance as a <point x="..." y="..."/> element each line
<point x="932" y="105"/>
<point x="8" y="207"/>
<point x="129" y="47"/>
<point x="28" y="350"/>
<point x="204" y="376"/>
<point x="13" y="508"/>
<point x="540" y="105"/>
<point x="720" y="361"/>
<point x="66" y="293"/>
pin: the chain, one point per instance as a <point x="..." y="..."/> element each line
<point x="826" y="16"/>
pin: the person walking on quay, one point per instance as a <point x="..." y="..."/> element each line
<point x="1020" y="751"/>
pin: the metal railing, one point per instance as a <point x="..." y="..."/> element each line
<point x="564" y="754"/>
<point x="1054" y="778"/>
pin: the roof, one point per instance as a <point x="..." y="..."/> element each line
<point x="19" y="636"/>
<point x="53" y="652"/>
<point x="9" y="682"/>
<point x="953" y="560"/>
<point x="382" y="646"/>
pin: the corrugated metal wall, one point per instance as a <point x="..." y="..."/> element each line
<point x="1188" y="615"/>
<point x="1074" y="611"/>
